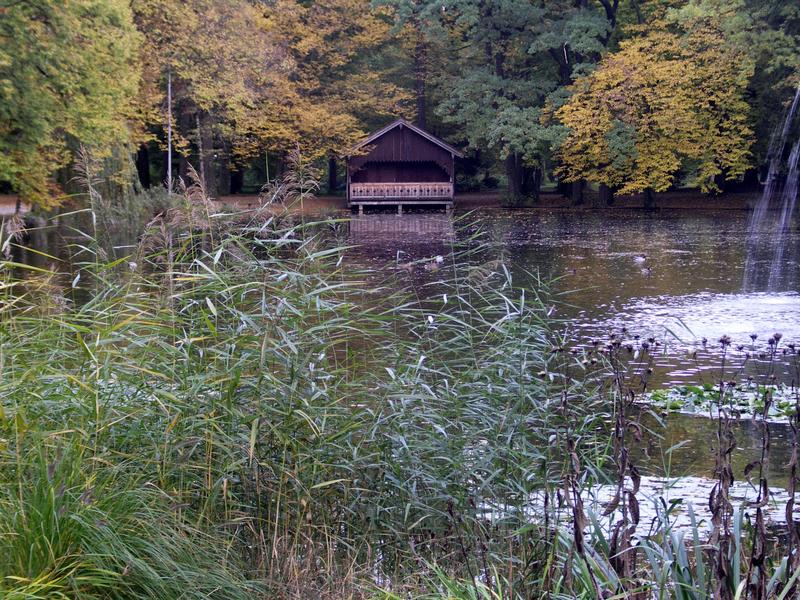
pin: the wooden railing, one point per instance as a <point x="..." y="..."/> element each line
<point x="401" y="191"/>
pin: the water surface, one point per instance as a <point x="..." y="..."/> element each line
<point x="674" y="275"/>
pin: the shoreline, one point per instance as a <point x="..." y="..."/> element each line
<point x="688" y="200"/>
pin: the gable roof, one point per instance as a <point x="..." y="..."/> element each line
<point x="412" y="127"/>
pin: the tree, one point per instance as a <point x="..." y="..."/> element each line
<point x="67" y="74"/>
<point x="256" y="77"/>
<point x="505" y="59"/>
<point x="230" y="78"/>
<point x="341" y="78"/>
<point x="666" y="100"/>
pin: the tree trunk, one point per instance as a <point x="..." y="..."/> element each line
<point x="606" y="195"/>
<point x="143" y="166"/>
<point x="649" y="199"/>
<point x="222" y="170"/>
<point x="576" y="192"/>
<point x="420" y="76"/>
<point x="333" y="181"/>
<point x="524" y="182"/>
<point x="237" y="181"/>
<point x="206" y="153"/>
<point x="18" y="206"/>
<point x="513" y="166"/>
<point x="169" y="130"/>
<point x="184" y="124"/>
<point x="531" y="183"/>
<point x="224" y="182"/>
<point x="165" y="167"/>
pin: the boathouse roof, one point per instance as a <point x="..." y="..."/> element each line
<point x="403" y="123"/>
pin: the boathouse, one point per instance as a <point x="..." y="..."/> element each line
<point x="401" y="165"/>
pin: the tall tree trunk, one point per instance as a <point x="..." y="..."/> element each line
<point x="531" y="182"/>
<point x="143" y="166"/>
<point x="649" y="199"/>
<point x="18" y="205"/>
<point x="222" y="169"/>
<point x="184" y="124"/>
<point x="514" y="176"/>
<point x="420" y="75"/>
<point x="333" y="180"/>
<point x="223" y="172"/>
<point x="524" y="182"/>
<point x="201" y="158"/>
<point x="169" y="130"/>
<point x="206" y="153"/>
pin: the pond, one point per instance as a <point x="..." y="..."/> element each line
<point x="674" y="275"/>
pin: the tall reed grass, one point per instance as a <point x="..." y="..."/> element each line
<point x="233" y="409"/>
<point x="237" y="406"/>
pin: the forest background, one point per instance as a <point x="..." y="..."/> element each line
<point x="623" y="95"/>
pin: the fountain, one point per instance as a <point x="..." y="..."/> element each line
<point x="770" y="223"/>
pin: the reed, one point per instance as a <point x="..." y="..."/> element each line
<point x="321" y="428"/>
<point x="232" y="409"/>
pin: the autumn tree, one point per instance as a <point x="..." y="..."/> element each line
<point x="503" y="60"/>
<point x="229" y="78"/>
<point x="666" y="101"/>
<point x="343" y="76"/>
<point x="255" y="77"/>
<point x="66" y="75"/>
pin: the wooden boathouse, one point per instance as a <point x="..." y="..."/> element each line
<point x="401" y="165"/>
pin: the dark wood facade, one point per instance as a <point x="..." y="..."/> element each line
<point x="401" y="164"/>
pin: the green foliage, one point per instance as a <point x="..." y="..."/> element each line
<point x="71" y="528"/>
<point x="301" y="419"/>
<point x="747" y="399"/>
<point x="65" y="76"/>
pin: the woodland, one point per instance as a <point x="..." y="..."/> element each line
<point x="628" y="96"/>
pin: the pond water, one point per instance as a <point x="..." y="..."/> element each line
<point x="674" y="275"/>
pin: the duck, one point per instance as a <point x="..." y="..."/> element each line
<point x="433" y="265"/>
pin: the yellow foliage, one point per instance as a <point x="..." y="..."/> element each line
<point x="664" y="101"/>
